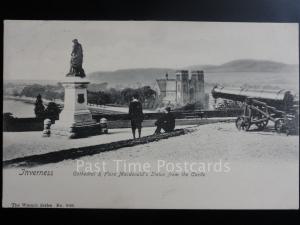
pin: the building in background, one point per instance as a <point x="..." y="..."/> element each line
<point x="183" y="90"/>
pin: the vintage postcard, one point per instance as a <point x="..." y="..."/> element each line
<point x="150" y="115"/>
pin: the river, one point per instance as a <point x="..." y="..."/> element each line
<point x="18" y="108"/>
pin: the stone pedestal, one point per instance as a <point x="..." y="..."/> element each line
<point x="76" y="119"/>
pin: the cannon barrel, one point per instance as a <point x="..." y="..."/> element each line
<point x="281" y="99"/>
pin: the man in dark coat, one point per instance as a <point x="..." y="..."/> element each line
<point x="165" y="122"/>
<point x="136" y="115"/>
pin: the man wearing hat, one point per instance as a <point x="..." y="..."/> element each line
<point x="165" y="122"/>
<point x="136" y="115"/>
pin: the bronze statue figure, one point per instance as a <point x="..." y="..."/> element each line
<point x="76" y="60"/>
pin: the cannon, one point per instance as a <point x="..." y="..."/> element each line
<point x="261" y="106"/>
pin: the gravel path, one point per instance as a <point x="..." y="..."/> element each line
<point x="210" y="142"/>
<point x="20" y="144"/>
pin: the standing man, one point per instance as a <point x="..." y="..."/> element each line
<point x="136" y="115"/>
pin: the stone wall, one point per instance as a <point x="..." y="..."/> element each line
<point x="120" y="120"/>
<point x="23" y="124"/>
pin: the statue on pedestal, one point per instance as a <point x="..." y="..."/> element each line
<point x="76" y="69"/>
<point x="76" y="119"/>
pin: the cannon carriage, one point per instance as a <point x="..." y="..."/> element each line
<point x="262" y="106"/>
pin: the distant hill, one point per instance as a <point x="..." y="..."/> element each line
<point x="235" y="73"/>
<point x="130" y="77"/>
<point x="29" y="82"/>
<point x="248" y="65"/>
<point x="232" y="72"/>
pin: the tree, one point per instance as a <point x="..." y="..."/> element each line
<point x="49" y="91"/>
<point x="92" y="97"/>
<point x="32" y="90"/>
<point x="39" y="108"/>
<point x="148" y="96"/>
<point x="103" y="98"/>
<point x="99" y="98"/>
<point x="115" y="96"/>
<point x="52" y="111"/>
<point x="15" y="93"/>
<point x="126" y="94"/>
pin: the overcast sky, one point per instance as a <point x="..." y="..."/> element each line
<point x="41" y="49"/>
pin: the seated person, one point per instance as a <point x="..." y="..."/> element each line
<point x="165" y="122"/>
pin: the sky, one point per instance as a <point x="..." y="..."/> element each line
<point x="41" y="49"/>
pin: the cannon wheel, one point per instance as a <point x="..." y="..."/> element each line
<point x="262" y="125"/>
<point x="242" y="124"/>
<point x="280" y="126"/>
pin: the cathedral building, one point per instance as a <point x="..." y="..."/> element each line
<point x="182" y="90"/>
